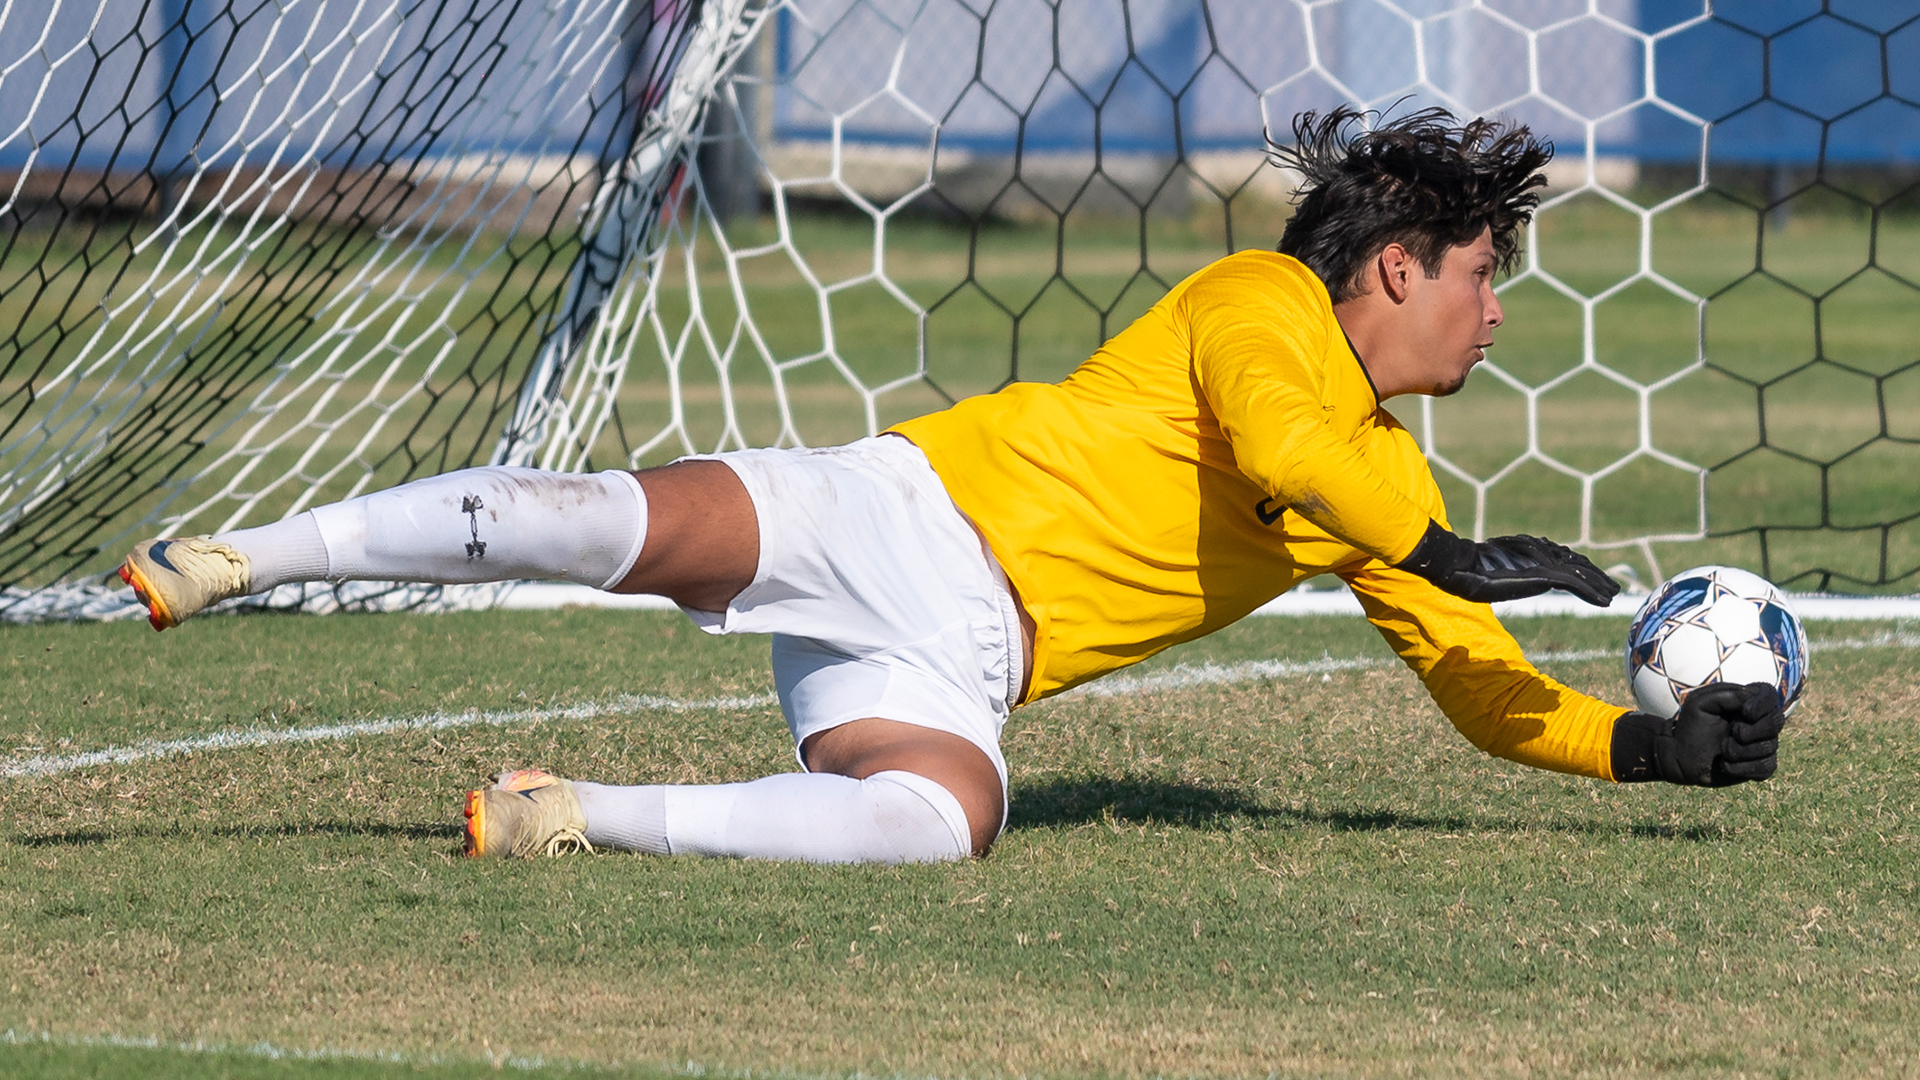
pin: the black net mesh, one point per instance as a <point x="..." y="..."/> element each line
<point x="265" y="254"/>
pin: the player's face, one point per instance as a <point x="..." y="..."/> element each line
<point x="1456" y="313"/>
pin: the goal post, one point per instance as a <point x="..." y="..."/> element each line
<point x="261" y="254"/>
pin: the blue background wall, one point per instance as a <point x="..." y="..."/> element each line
<point x="169" y="84"/>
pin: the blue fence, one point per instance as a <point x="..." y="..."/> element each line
<point x="1781" y="81"/>
<point x="169" y="85"/>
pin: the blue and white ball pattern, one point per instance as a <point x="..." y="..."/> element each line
<point x="1714" y="624"/>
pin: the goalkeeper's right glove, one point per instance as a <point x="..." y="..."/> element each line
<point x="1724" y="734"/>
<point x="1506" y="568"/>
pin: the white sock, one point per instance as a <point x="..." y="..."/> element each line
<point x="890" y="817"/>
<point x="632" y="818"/>
<point x="488" y="524"/>
<point x="288" y="550"/>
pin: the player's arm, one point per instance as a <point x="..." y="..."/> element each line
<point x="1724" y="734"/>
<point x="1259" y="347"/>
<point x="1480" y="678"/>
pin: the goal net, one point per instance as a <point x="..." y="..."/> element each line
<point x="261" y="254"/>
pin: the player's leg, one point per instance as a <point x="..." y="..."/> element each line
<point x="865" y="747"/>
<point x="863" y="549"/>
<point x="685" y="531"/>
<point x="879" y="790"/>
<point x="703" y="536"/>
<point x="885" y="816"/>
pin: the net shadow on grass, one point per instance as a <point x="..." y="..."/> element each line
<point x="1137" y="800"/>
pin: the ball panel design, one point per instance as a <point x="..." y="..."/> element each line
<point x="1783" y="633"/>
<point x="1689" y="654"/>
<point x="1682" y="593"/>
<point x="1733" y="618"/>
<point x="1713" y="624"/>
<point x="1750" y="662"/>
<point x="1654" y="694"/>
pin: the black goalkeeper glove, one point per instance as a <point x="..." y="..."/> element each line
<point x="1724" y="734"/>
<point x="1506" y="568"/>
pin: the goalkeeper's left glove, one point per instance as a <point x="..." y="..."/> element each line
<point x="1506" y="568"/>
<point x="1724" y="734"/>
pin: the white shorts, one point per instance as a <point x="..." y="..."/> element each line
<point x="881" y="599"/>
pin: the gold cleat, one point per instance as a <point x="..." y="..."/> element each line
<point x="178" y="579"/>
<point x="526" y="812"/>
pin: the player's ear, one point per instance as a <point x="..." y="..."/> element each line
<point x="1396" y="267"/>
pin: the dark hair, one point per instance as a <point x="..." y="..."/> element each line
<point x="1421" y="180"/>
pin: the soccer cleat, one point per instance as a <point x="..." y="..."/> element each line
<point x="178" y="579"/>
<point x="526" y="812"/>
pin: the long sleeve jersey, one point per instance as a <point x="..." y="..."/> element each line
<point x="1224" y="448"/>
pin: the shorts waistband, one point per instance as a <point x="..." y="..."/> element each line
<point x="1010" y="617"/>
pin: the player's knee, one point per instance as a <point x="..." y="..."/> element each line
<point x="702" y="538"/>
<point x="919" y="819"/>
<point x="947" y="763"/>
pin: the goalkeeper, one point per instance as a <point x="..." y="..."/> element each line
<point x="919" y="585"/>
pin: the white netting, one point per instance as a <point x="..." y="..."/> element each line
<point x="299" y="248"/>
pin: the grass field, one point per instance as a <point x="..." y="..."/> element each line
<point x="1264" y="854"/>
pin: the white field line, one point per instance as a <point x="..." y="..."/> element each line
<point x="271" y="1052"/>
<point x="1179" y="677"/>
<point x="1184" y="676"/>
<point x="626" y="704"/>
<point x="475" y="1064"/>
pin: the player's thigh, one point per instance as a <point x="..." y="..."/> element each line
<point x="703" y="536"/>
<point x="861" y="748"/>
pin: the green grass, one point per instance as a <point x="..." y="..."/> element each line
<point x="1293" y="876"/>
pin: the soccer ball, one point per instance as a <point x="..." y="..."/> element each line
<point x="1714" y="624"/>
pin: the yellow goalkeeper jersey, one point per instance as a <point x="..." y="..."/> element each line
<point x="1224" y="448"/>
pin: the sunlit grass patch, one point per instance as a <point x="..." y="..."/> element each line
<point x="1310" y="875"/>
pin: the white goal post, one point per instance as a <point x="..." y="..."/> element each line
<point x="261" y="254"/>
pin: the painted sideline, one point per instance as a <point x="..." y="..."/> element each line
<point x="1183" y="676"/>
<point x="270" y="1052"/>
<point x="1179" y="677"/>
<point x="624" y="705"/>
